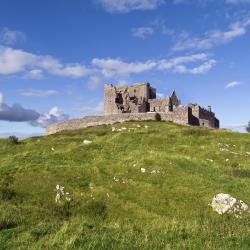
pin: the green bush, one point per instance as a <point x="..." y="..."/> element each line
<point x="13" y="139"/>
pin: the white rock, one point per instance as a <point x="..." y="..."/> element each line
<point x="143" y="170"/>
<point x="116" y="179"/>
<point x="210" y="160"/>
<point x="225" y="203"/>
<point x="86" y="142"/>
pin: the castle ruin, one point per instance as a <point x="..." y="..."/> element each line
<point x="141" y="98"/>
<point x="139" y="103"/>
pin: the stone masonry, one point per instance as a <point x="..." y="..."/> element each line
<point x="139" y="103"/>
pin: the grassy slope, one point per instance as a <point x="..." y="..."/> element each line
<point x="168" y="210"/>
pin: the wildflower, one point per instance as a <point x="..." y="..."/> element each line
<point x="58" y="196"/>
<point x="87" y="142"/>
<point x="146" y="126"/>
<point x="248" y="153"/>
<point x="134" y="165"/>
<point x="61" y="194"/>
<point x="124" y="128"/>
<point x="52" y="149"/>
<point x="138" y="126"/>
<point x="227" y="160"/>
<point x="113" y="129"/>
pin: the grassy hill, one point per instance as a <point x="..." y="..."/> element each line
<point x="113" y="204"/>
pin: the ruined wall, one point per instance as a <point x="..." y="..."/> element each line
<point x="88" y="121"/>
<point x="181" y="115"/>
<point x="159" y="105"/>
<point x="110" y="106"/>
<point x="127" y="99"/>
<point x="202" y="117"/>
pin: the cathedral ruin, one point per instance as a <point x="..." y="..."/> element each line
<point x="141" y="98"/>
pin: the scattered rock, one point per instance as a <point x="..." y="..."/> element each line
<point x="225" y="203"/>
<point x="210" y="160"/>
<point x="87" y="142"/>
<point x="143" y="170"/>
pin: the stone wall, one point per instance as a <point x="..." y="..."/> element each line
<point x="179" y="116"/>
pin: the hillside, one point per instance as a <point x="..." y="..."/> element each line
<point x="113" y="203"/>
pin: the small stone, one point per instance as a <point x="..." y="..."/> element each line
<point x="143" y="170"/>
<point x="87" y="142"/>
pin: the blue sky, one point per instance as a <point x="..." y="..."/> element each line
<point x="55" y="56"/>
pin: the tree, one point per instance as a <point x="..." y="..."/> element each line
<point x="248" y="127"/>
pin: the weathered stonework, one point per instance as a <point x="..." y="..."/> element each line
<point x="139" y="103"/>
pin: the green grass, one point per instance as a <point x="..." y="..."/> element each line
<point x="166" y="210"/>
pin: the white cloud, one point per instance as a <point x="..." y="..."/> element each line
<point x="232" y="84"/>
<point x="116" y="67"/>
<point x="11" y="37"/>
<point x="34" y="74"/>
<point x="14" y="61"/>
<point x="124" y="6"/>
<point x="212" y="38"/>
<point x="142" y="32"/>
<point x="18" y="61"/>
<point x="54" y="115"/>
<point x="178" y="64"/>
<point x="39" y="93"/>
<point x="112" y="67"/>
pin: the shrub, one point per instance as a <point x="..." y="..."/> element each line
<point x="248" y="127"/>
<point x="13" y="139"/>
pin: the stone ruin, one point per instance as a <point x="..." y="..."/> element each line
<point x="139" y="103"/>
<point x="141" y="98"/>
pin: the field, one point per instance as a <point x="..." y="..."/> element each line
<point x="113" y="203"/>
